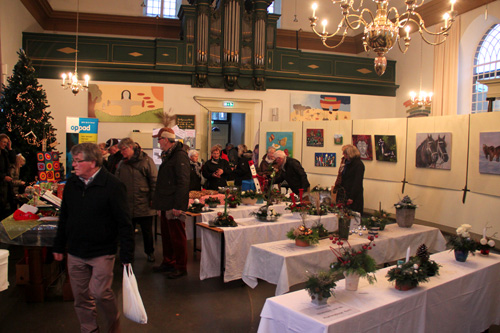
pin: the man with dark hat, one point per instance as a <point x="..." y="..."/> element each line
<point x="115" y="156"/>
<point x="171" y="198"/>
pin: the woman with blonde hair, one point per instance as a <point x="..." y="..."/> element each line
<point x="352" y="178"/>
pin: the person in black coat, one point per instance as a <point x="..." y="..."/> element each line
<point x="352" y="178"/>
<point x="291" y="171"/>
<point x="216" y="170"/>
<point x="242" y="171"/>
<point x="94" y="217"/>
<point x="115" y="156"/>
<point x="7" y="158"/>
<point x="171" y="198"/>
<point x="195" y="176"/>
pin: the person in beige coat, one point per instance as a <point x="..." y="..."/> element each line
<point x="138" y="172"/>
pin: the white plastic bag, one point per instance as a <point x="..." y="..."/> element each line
<point x="133" y="308"/>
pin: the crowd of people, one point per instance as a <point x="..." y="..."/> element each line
<point x="116" y="186"/>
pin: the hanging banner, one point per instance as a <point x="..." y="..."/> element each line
<point x="79" y="130"/>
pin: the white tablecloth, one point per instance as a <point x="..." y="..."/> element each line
<point x="242" y="211"/>
<point x="239" y="239"/>
<point x="465" y="297"/>
<point x="285" y="264"/>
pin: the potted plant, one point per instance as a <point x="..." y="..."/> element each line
<point x="233" y="200"/>
<point x="196" y="206"/>
<point x="407" y="275"/>
<point x="212" y="202"/>
<point x="430" y="267"/>
<point x="249" y="197"/>
<point x="353" y="263"/>
<point x="224" y="219"/>
<point x="383" y="218"/>
<point x="405" y="212"/>
<point x="486" y="243"/>
<point x="266" y="214"/>
<point x="303" y="236"/>
<point x="344" y="214"/>
<point x="320" y="287"/>
<point x="322" y="231"/>
<point x="371" y="223"/>
<point x="461" y="243"/>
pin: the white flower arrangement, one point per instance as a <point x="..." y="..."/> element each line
<point x="463" y="230"/>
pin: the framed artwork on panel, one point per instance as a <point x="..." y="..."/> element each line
<point x="433" y="151"/>
<point x="364" y="145"/>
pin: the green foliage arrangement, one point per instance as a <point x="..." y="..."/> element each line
<point x="406" y="202"/>
<point x="321" y="285"/>
<point x="409" y="274"/>
<point x="303" y="233"/>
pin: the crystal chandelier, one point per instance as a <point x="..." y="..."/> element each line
<point x="382" y="30"/>
<point x="70" y="80"/>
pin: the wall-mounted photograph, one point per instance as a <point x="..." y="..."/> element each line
<point x="338" y="139"/>
<point x="306" y="107"/>
<point x="433" y="151"/>
<point x="489" y="153"/>
<point x="385" y="148"/>
<point x="280" y="141"/>
<point x="325" y="159"/>
<point x="364" y="145"/>
<point x="314" y="137"/>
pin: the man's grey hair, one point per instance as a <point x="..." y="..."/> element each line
<point x="279" y="154"/>
<point x="90" y="152"/>
<point x="126" y="142"/>
<point x="193" y="152"/>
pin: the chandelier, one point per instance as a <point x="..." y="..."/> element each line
<point x="382" y="30"/>
<point x="70" y="80"/>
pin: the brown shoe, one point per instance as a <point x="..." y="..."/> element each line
<point x="163" y="268"/>
<point x="176" y="274"/>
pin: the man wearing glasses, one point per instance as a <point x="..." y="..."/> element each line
<point x="94" y="217"/>
<point x="171" y="198"/>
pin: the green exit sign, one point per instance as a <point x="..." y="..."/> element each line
<point x="228" y="104"/>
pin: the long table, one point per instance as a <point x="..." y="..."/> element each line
<point x="236" y="242"/>
<point x="465" y="297"/>
<point x="285" y="264"/>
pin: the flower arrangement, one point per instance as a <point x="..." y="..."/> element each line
<point x="322" y="231"/>
<point x="233" y="200"/>
<point x="196" y="206"/>
<point x="266" y="214"/>
<point x="321" y="210"/>
<point x="318" y="188"/>
<point x="354" y="261"/>
<point x="320" y="286"/>
<point x="422" y="258"/>
<point x="343" y="210"/>
<point x="462" y="241"/>
<point x="485" y="243"/>
<point x="383" y="217"/>
<point x="304" y="234"/>
<point x="224" y="219"/>
<point x="298" y="207"/>
<point x="405" y="203"/>
<point x="407" y="275"/>
<point x="212" y="201"/>
<point x="250" y="194"/>
<point x="374" y="221"/>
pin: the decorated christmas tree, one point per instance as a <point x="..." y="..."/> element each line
<point x="24" y="116"/>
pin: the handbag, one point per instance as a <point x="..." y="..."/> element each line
<point x="133" y="308"/>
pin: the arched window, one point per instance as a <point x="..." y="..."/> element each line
<point x="486" y="66"/>
<point x="162" y="8"/>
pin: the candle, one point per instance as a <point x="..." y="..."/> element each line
<point x="446" y="17"/>
<point x="314" y="7"/>
<point x="452" y="4"/>
<point x="484" y="232"/>
<point x="407" y="254"/>
<point x="407" y="29"/>
<point x="324" y="22"/>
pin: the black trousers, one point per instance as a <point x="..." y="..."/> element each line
<point x="146" y="223"/>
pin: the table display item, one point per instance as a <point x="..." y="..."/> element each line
<point x="407" y="275"/>
<point x="224" y="219"/>
<point x="462" y="243"/>
<point x="212" y="202"/>
<point x="486" y="243"/>
<point x="320" y="287"/>
<point x="353" y="262"/>
<point x="266" y="214"/>
<point x="250" y="197"/>
<point x="430" y="266"/>
<point x="405" y="212"/>
<point x="303" y="236"/>
<point x="196" y="206"/>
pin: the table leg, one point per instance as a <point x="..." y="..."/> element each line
<point x="222" y="255"/>
<point x="35" y="290"/>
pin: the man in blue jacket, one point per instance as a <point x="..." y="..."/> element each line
<point x="94" y="217"/>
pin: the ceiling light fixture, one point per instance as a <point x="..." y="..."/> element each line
<point x="70" y="80"/>
<point x="382" y="30"/>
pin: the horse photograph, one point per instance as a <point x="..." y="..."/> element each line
<point x="489" y="153"/>
<point x="385" y="148"/>
<point x="433" y="151"/>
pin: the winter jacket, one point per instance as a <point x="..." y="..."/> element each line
<point x="139" y="175"/>
<point x="242" y="171"/>
<point x="93" y="218"/>
<point x="213" y="183"/>
<point x="294" y="175"/>
<point x="172" y="186"/>
<point x="352" y="182"/>
<point x="195" y="176"/>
